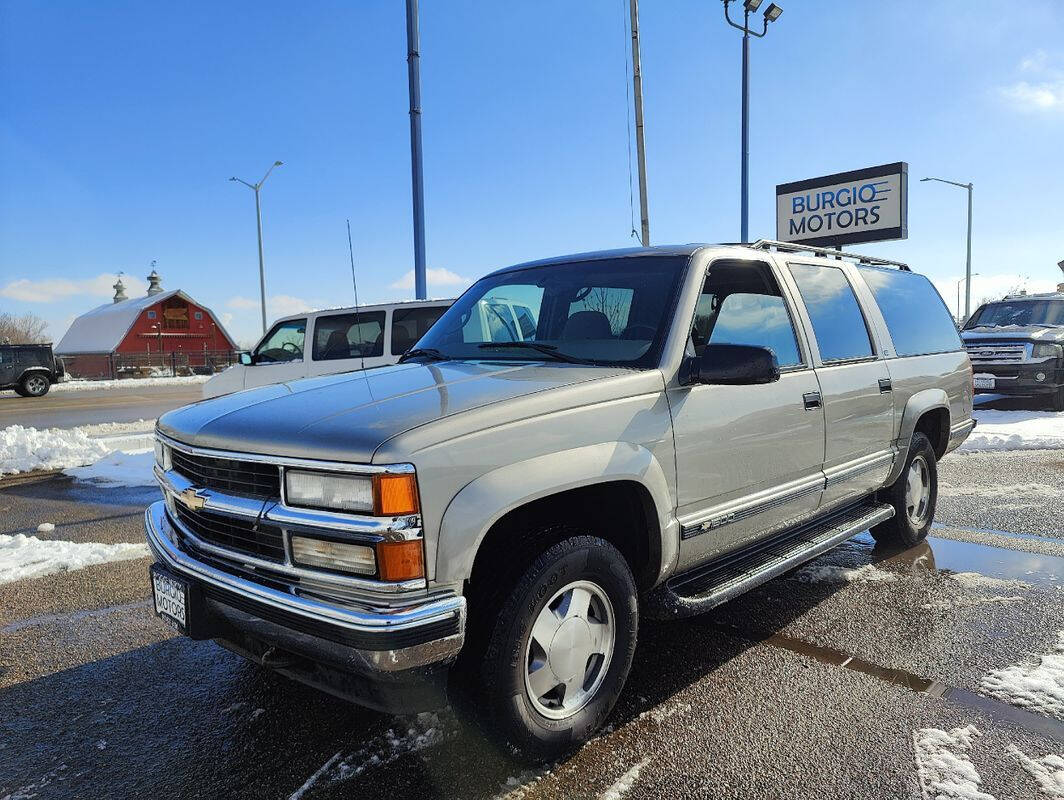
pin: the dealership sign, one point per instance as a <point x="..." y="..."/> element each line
<point x="865" y="205"/>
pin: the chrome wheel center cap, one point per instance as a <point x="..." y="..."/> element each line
<point x="570" y="649"/>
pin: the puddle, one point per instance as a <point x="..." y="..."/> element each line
<point x="995" y="709"/>
<point x="1023" y="537"/>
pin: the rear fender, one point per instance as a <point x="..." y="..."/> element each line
<point x="918" y="405"/>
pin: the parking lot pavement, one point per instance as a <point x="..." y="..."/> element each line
<point x="822" y="683"/>
<point x="68" y="409"/>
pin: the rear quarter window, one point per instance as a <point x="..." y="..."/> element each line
<point x="917" y="318"/>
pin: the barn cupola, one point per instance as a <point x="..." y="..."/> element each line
<point x="154" y="283"/>
<point x="120" y="291"/>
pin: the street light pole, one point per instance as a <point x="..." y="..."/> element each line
<point x="968" y="259"/>
<point x="255" y="187"/>
<point x="413" y="62"/>
<point x="772" y="13"/>
<point x="962" y="280"/>
<point x="640" y="148"/>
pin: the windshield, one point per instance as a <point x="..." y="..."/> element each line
<point x="1019" y="312"/>
<point x="614" y="311"/>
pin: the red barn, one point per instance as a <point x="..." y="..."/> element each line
<point x="164" y="332"/>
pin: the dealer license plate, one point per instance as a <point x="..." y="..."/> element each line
<point x="171" y="599"/>
<point x="983" y="381"/>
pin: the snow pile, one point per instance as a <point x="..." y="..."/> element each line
<point x="943" y="766"/>
<point x="830" y="573"/>
<point x="1037" y="686"/>
<point x="118" y="469"/>
<point x="1048" y="771"/>
<point x="25" y="449"/>
<point x="1017" y="430"/>
<point x="84" y="386"/>
<point x="24" y="556"/>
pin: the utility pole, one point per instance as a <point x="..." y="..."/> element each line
<point x="968" y="260"/>
<point x="413" y="62"/>
<point x="256" y="188"/>
<point x="640" y="148"/>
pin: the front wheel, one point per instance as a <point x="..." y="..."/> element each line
<point x="561" y="648"/>
<point x="914" y="496"/>
<point x="35" y="385"/>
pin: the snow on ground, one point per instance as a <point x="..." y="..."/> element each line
<point x="118" y="469"/>
<point x="118" y="448"/>
<point x="24" y="556"/>
<point x="1016" y="430"/>
<point x="1048" y="771"/>
<point x="82" y="385"/>
<point x="943" y="766"/>
<point x="625" y="783"/>
<point x="1037" y="684"/>
<point x="830" y="573"/>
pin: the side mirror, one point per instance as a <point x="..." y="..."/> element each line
<point x="734" y="365"/>
<point x="245" y="359"/>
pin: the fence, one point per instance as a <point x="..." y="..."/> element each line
<point x="149" y="365"/>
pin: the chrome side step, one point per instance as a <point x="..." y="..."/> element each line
<point x="727" y="577"/>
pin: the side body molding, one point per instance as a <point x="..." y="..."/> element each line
<point x="918" y="405"/>
<point x="481" y="503"/>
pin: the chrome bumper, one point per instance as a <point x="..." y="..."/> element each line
<point x="371" y="626"/>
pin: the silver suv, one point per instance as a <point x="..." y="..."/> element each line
<point x="493" y="515"/>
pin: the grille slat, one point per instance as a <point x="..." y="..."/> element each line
<point x="996" y="352"/>
<point x="247" y="478"/>
<point x="266" y="542"/>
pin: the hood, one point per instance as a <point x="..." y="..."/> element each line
<point x="1034" y="333"/>
<point x="347" y="417"/>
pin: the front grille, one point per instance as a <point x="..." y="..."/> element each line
<point x="233" y="533"/>
<point x="996" y="352"/>
<point x="247" y="478"/>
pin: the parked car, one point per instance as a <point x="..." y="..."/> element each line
<point x="493" y="516"/>
<point x="1017" y="347"/>
<point x="29" y="369"/>
<point x="340" y="340"/>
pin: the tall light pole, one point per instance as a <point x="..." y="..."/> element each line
<point x="255" y="187"/>
<point x="640" y="148"/>
<point x="772" y="13"/>
<point x="413" y="68"/>
<point x="962" y="280"/>
<point x="968" y="262"/>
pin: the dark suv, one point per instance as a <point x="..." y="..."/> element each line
<point x="1017" y="346"/>
<point x="29" y="369"/>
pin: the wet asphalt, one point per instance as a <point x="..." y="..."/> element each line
<point x="65" y="409"/>
<point x="801" y="688"/>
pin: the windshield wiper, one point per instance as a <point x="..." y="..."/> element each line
<point x="431" y="353"/>
<point x="546" y="349"/>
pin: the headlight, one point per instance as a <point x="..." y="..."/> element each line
<point x="380" y="495"/>
<point x="1047" y="350"/>
<point x="359" y="558"/>
<point x="162" y="455"/>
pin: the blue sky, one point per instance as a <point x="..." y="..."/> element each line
<point x="120" y="125"/>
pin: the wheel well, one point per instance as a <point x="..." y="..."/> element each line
<point x="621" y="512"/>
<point x="934" y="424"/>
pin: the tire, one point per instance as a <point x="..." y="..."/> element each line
<point x="19" y="390"/>
<point x="914" y="510"/>
<point x="35" y="385"/>
<point x="1056" y="400"/>
<point x="589" y="653"/>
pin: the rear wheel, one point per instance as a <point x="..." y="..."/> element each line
<point x="914" y="496"/>
<point x="35" y="385"/>
<point x="560" y="648"/>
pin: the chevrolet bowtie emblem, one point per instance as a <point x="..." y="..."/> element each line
<point x="192" y="498"/>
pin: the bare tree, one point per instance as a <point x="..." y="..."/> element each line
<point x="27" y="329"/>
<point x="611" y="303"/>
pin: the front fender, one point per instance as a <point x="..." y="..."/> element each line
<point x="482" y="502"/>
<point x="918" y="405"/>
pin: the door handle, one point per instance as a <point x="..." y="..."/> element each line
<point x="812" y="400"/>
<point x="885" y="385"/>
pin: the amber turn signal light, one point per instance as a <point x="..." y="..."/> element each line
<point x="400" y="561"/>
<point x="394" y="495"/>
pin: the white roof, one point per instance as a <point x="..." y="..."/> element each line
<point x="102" y="329"/>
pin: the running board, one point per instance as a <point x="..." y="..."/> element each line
<point x="727" y="577"/>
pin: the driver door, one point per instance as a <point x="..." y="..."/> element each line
<point x="279" y="357"/>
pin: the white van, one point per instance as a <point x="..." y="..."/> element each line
<point x="324" y="342"/>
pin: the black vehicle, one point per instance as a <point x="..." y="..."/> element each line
<point x="29" y="369"/>
<point x="1017" y="346"/>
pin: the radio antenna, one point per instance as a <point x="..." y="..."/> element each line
<point x="354" y="285"/>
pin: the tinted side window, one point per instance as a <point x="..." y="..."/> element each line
<point x="837" y="320"/>
<point x="916" y="317"/>
<point x="410" y="324"/>
<point x="349" y="336"/>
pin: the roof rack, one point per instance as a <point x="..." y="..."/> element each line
<point x="826" y="252"/>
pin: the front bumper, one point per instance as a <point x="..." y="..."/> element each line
<point x="392" y="659"/>
<point x="1019" y="379"/>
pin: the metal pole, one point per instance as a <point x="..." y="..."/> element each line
<point x="640" y="148"/>
<point x="262" y="267"/>
<point x="413" y="60"/>
<point x="744" y="214"/>
<point x="968" y="267"/>
<point x="959" y="298"/>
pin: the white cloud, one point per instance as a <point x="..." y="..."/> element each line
<point x="51" y="290"/>
<point x="435" y="277"/>
<point x="241" y="303"/>
<point x="279" y="305"/>
<point x="1043" y="91"/>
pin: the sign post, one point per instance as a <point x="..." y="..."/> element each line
<point x="864" y="205"/>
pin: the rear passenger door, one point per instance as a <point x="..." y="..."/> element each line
<point x="855" y="384"/>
